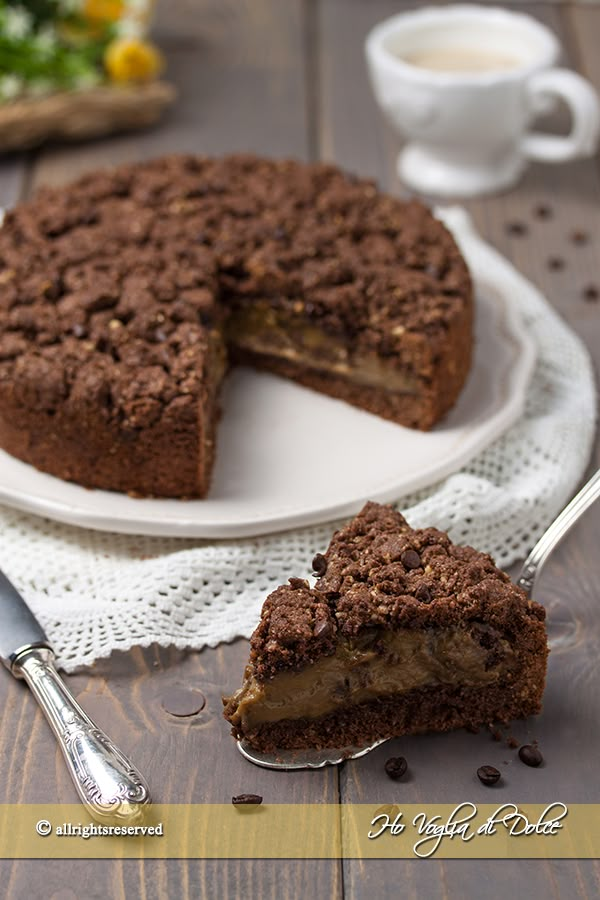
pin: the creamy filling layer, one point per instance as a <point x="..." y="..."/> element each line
<point x="403" y="660"/>
<point x="260" y="329"/>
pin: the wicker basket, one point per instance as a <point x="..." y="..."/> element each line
<point x="75" y="115"/>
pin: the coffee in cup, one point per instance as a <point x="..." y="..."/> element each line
<point x="463" y="84"/>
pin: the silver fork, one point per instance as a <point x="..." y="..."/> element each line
<point x="316" y="759"/>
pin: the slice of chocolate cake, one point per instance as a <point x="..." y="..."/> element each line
<point x="404" y="632"/>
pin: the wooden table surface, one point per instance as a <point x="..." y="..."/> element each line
<point x="287" y="78"/>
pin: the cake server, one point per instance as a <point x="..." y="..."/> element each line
<point x="316" y="759"/>
<point x="109" y="786"/>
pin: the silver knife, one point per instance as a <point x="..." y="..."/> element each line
<point x="109" y="786"/>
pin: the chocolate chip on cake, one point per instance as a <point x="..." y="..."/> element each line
<point x="319" y="564"/>
<point x="323" y="629"/>
<point x="410" y="559"/>
<point x="423" y="594"/>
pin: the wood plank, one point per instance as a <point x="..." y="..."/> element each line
<point x="240" y="70"/>
<point x="443" y="767"/>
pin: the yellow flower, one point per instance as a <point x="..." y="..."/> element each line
<point x="103" y="10"/>
<point x="131" y="59"/>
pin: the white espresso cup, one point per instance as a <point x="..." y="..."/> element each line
<point x="462" y="85"/>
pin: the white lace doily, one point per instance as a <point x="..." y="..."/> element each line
<point x="96" y="592"/>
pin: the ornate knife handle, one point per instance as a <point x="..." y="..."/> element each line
<point x="109" y="785"/>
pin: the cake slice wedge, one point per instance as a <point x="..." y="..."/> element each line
<point x="403" y="632"/>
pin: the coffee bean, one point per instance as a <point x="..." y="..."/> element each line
<point x="423" y="594"/>
<point x="579" y="237"/>
<point x="410" y="559"/>
<point x="530" y="755"/>
<point x="323" y="629"/>
<point x="488" y="775"/>
<point x="396" y="767"/>
<point x="518" y="229"/>
<point x="543" y="212"/>
<point x="591" y="293"/>
<point x="246" y="799"/>
<point x="319" y="565"/>
<point x="555" y="263"/>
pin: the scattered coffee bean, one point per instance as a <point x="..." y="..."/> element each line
<point x="556" y="263"/>
<point x="543" y="212"/>
<point x="410" y="559"/>
<point x="246" y="799"/>
<point x="323" y="629"/>
<point x="579" y="237"/>
<point x="530" y="755"/>
<point x="319" y="565"/>
<point x="591" y="293"/>
<point x="518" y="229"/>
<point x="396" y="767"/>
<point x="488" y="775"/>
<point x="423" y="594"/>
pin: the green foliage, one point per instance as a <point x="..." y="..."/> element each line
<point x="45" y="46"/>
<point x="41" y="11"/>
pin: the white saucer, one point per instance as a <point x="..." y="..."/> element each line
<point x="288" y="456"/>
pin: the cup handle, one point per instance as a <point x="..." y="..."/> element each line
<point x="582" y="100"/>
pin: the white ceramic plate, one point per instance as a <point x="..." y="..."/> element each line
<point x="288" y="456"/>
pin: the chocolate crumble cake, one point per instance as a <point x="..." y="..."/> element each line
<point x="403" y="632"/>
<point x="124" y="297"/>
